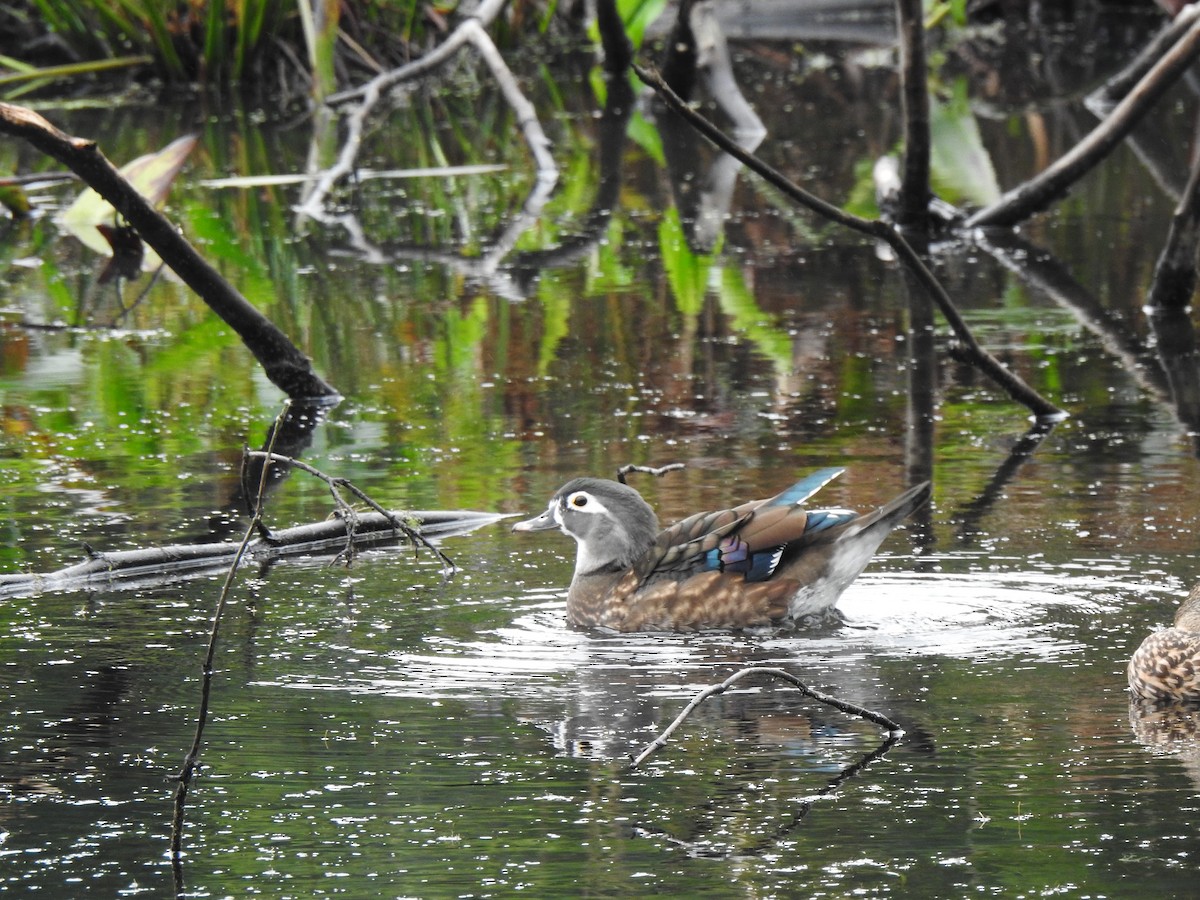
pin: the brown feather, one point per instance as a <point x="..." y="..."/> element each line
<point x="1166" y="667"/>
<point x="709" y="600"/>
<point x="774" y="526"/>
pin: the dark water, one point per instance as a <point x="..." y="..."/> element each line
<point x="388" y="731"/>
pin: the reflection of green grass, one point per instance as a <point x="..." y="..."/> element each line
<point x="217" y="40"/>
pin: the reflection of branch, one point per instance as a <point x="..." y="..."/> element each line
<point x="618" y="49"/>
<point x="913" y="209"/>
<point x="1175" y="341"/>
<point x="1110" y="93"/>
<point x="698" y="46"/>
<point x="1041" y="271"/>
<point x="970" y="515"/>
<point x="1169" y="373"/>
<point x="894" y="730"/>
<point x="509" y="275"/>
<point x="485" y="267"/>
<point x="290" y="434"/>
<point x="696" y="848"/>
<point x="192" y="759"/>
<point x="1039" y="192"/>
<point x="470" y="31"/>
<point x="284" y="364"/>
<point x="993" y="368"/>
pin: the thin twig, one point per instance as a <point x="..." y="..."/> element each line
<point x="192" y="760"/>
<point x="894" y="730"/>
<point x="1008" y="380"/>
<point x="658" y="472"/>
<point x="142" y="295"/>
<point x="346" y="511"/>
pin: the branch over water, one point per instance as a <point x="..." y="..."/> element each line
<point x="1008" y="380"/>
<point x="287" y="368"/>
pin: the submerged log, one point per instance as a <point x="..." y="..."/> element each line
<point x="155" y="566"/>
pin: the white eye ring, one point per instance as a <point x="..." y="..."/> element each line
<point x="582" y="501"/>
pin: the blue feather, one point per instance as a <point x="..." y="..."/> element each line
<point x="762" y="565"/>
<point x="733" y="556"/>
<point x="806" y="487"/>
<point x="820" y="519"/>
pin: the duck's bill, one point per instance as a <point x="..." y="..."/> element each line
<point x="544" y="522"/>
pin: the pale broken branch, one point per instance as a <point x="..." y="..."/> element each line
<point x="471" y="30"/>
<point x="656" y="471"/>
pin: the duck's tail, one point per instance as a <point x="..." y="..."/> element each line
<point x="827" y="568"/>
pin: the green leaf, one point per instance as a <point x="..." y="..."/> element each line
<point x="151" y="176"/>
<point x="961" y="167"/>
<point x="14" y="200"/>
<point x="687" y="271"/>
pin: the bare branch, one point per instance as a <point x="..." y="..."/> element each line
<point x="335" y="486"/>
<point x="648" y="470"/>
<point x="894" y="730"/>
<point x="1056" y="180"/>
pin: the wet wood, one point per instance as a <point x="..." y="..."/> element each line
<point x="155" y="566"/>
<point x="1174" y="281"/>
<point x="913" y="208"/>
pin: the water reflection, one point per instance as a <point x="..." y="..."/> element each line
<point x="1171" y="730"/>
<point x="606" y="696"/>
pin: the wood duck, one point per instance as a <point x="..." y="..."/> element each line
<point x="1166" y="667"/>
<point x="763" y="563"/>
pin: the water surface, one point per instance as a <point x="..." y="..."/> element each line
<point x="390" y="731"/>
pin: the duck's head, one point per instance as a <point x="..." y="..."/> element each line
<point x="611" y="523"/>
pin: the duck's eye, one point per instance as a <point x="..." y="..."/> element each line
<point x="579" y="500"/>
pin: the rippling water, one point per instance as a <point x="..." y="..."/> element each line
<point x="385" y="730"/>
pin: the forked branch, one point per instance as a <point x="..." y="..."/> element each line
<point x="853" y="709"/>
